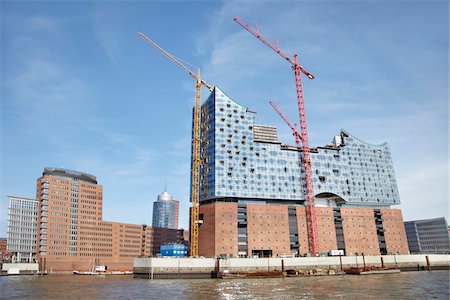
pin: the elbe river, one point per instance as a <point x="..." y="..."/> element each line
<point x="406" y="285"/>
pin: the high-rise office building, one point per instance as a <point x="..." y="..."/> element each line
<point x="72" y="234"/>
<point x="165" y="211"/>
<point x="22" y="228"/>
<point x="428" y="236"/>
<point x="252" y="190"/>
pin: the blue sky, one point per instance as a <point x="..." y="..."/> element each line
<point x="80" y="89"/>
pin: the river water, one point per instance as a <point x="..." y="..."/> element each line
<point x="406" y="285"/>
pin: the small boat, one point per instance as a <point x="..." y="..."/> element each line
<point x="101" y="270"/>
<point x="102" y="273"/>
<point x="371" y="270"/>
<point x="85" y="272"/>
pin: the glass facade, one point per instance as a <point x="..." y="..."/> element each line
<point x="428" y="236"/>
<point x="22" y="228"/>
<point x="245" y="160"/>
<point x="165" y="212"/>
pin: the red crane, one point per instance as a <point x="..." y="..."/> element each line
<point x="285" y="118"/>
<point x="313" y="240"/>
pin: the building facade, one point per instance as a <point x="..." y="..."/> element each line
<point x="428" y="236"/>
<point x="165" y="211"/>
<point x="252" y="190"/>
<point x="5" y="255"/>
<point x="22" y="228"/>
<point x="157" y="236"/>
<point x="72" y="234"/>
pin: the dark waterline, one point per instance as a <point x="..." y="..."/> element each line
<point x="408" y="285"/>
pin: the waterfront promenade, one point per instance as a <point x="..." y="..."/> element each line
<point x="165" y="267"/>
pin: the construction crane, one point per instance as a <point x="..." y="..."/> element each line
<point x="195" y="167"/>
<point x="313" y="241"/>
<point x="285" y="118"/>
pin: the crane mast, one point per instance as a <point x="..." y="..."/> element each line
<point x="313" y="241"/>
<point x="195" y="166"/>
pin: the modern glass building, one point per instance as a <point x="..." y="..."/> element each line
<point x="22" y="228"/>
<point x="165" y="211"/>
<point x="252" y="190"/>
<point x="428" y="236"/>
<point x="244" y="160"/>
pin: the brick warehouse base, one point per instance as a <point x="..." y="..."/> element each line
<point x="65" y="265"/>
<point x="233" y="229"/>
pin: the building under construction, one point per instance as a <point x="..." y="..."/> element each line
<point x="252" y="195"/>
<point x="252" y="201"/>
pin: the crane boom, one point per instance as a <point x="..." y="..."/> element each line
<point x="196" y="161"/>
<point x="275" y="48"/>
<point x="286" y="120"/>
<point x="175" y="60"/>
<point x="313" y="240"/>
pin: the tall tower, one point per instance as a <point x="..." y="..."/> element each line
<point x="165" y="211"/>
<point x="70" y="203"/>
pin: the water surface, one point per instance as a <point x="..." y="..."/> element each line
<point x="406" y="285"/>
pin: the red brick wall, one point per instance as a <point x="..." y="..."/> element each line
<point x="226" y="241"/>
<point x="394" y="231"/>
<point x="360" y="235"/>
<point x="302" y="230"/>
<point x="206" y="231"/>
<point x="3" y="246"/>
<point x="55" y="264"/>
<point x="268" y="228"/>
<point x="326" y="229"/>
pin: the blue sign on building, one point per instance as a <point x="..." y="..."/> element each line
<point x="173" y="250"/>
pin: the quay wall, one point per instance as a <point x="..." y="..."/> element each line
<point x="19" y="268"/>
<point x="169" y="265"/>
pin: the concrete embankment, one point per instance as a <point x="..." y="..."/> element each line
<point x="166" y="267"/>
<point x="19" y="269"/>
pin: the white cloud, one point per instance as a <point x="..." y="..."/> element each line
<point x="39" y="23"/>
<point x="106" y="25"/>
